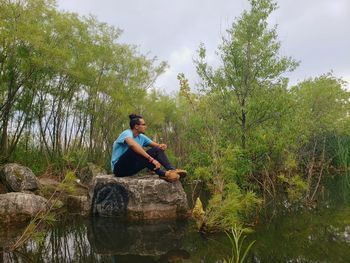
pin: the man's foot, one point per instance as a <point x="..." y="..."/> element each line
<point x="182" y="173"/>
<point x="171" y="176"/>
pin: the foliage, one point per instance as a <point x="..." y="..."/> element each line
<point x="67" y="86"/>
<point x="230" y="207"/>
<point x="68" y="183"/>
<point x="251" y="70"/>
<point x="296" y="187"/>
<point x="198" y="213"/>
<point x="237" y="237"/>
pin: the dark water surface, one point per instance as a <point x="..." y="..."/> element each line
<point x="320" y="235"/>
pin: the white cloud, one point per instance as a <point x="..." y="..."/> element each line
<point x="347" y="79"/>
<point x="316" y="32"/>
<point x="180" y="61"/>
<point x="181" y="56"/>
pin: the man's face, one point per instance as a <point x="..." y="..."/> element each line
<point x="141" y="128"/>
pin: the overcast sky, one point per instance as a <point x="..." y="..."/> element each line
<point x="315" y="32"/>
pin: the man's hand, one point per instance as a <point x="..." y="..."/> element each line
<point x="156" y="164"/>
<point x="163" y="146"/>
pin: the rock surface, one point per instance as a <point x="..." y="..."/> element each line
<point x="137" y="197"/>
<point x="89" y="172"/>
<point x="19" y="207"/>
<point x="3" y="189"/>
<point x="78" y="204"/>
<point x="18" y="178"/>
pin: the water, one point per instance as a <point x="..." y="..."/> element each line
<point x="319" y="235"/>
<point x="107" y="240"/>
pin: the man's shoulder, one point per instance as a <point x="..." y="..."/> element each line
<point x="125" y="134"/>
<point x="144" y="137"/>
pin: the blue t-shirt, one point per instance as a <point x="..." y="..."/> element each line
<point x="120" y="146"/>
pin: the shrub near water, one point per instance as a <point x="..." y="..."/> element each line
<point x="229" y="204"/>
<point x="230" y="208"/>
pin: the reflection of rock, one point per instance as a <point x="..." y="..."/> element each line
<point x="18" y="178"/>
<point x="18" y="207"/>
<point x="9" y="235"/>
<point x="108" y="236"/>
<point x="137" y="197"/>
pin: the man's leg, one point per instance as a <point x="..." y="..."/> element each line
<point x="161" y="157"/>
<point x="130" y="163"/>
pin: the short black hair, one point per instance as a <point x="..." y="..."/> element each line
<point x="134" y="120"/>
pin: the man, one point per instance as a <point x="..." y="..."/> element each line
<point x="129" y="157"/>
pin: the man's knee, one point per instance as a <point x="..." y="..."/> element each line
<point x="154" y="151"/>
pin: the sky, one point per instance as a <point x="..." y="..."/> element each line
<point x="314" y="32"/>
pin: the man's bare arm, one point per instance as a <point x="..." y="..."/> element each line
<point x="139" y="150"/>
<point x="161" y="146"/>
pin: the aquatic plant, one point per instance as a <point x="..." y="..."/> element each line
<point x="230" y="207"/>
<point x="237" y="237"/>
<point x="295" y="186"/>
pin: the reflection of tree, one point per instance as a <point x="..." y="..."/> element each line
<point x="66" y="242"/>
<point x="171" y="256"/>
<point x="305" y="237"/>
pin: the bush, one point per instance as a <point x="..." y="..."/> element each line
<point x="229" y="208"/>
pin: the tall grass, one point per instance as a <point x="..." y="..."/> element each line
<point x="343" y="158"/>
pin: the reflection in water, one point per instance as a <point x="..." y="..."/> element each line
<point x="305" y="237"/>
<point x="108" y="236"/>
<point x="170" y="256"/>
<point x="105" y="240"/>
<point x="321" y="235"/>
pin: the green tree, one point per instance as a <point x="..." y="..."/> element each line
<point x="252" y="69"/>
<point x="22" y="39"/>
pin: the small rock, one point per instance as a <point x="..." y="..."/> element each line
<point x="78" y="204"/>
<point x="89" y="172"/>
<point x="48" y="186"/>
<point x="19" y="207"/>
<point x="18" y="178"/>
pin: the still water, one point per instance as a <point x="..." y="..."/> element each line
<point x="317" y="236"/>
<point x="320" y="235"/>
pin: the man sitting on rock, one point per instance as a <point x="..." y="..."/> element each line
<point x="129" y="157"/>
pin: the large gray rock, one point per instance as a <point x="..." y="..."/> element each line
<point x="19" y="207"/>
<point x="18" y="178"/>
<point x="137" y="197"/>
<point x="89" y="172"/>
